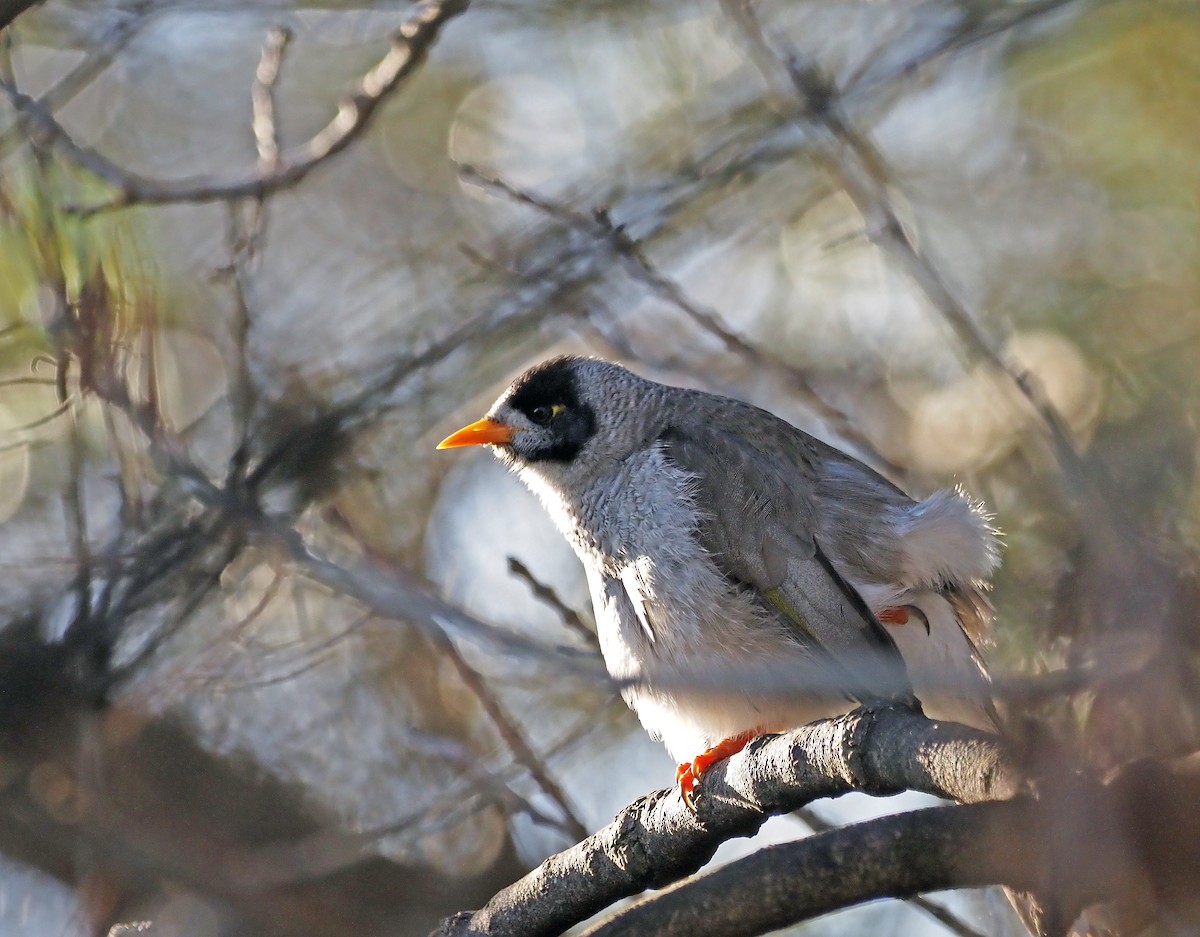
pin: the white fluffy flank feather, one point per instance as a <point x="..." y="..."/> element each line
<point x="948" y="539"/>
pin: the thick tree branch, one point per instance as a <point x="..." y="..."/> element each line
<point x="898" y="856"/>
<point x="546" y="594"/>
<point x="942" y="915"/>
<point x="1133" y="844"/>
<point x="656" y="840"/>
<point x="1129" y="843"/>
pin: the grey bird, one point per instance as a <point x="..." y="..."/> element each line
<point x="746" y="577"/>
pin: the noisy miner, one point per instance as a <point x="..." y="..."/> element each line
<point x="747" y="578"/>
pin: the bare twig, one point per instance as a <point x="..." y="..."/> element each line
<point x="615" y="238"/>
<point x="101" y="54"/>
<point x="262" y="98"/>
<point x="511" y="734"/>
<point x="408" y="48"/>
<point x="64" y="407"/>
<point x="600" y="227"/>
<point x="506" y="726"/>
<point x="246" y="231"/>
<point x="860" y="171"/>
<point x="1010" y="18"/>
<point x="569" y="616"/>
<point x="19" y="381"/>
<point x="243" y="238"/>
<point x="76" y="512"/>
<point x="473" y="788"/>
<point x="544" y="296"/>
<point x="397" y="595"/>
<point x="311" y="658"/>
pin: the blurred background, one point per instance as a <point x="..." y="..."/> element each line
<point x="231" y="699"/>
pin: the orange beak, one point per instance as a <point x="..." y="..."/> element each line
<point x="478" y="433"/>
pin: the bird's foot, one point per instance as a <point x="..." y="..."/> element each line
<point x="901" y="614"/>
<point x="687" y="775"/>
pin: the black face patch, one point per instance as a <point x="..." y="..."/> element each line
<point x="552" y="387"/>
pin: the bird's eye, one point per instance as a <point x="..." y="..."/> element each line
<point x="545" y="413"/>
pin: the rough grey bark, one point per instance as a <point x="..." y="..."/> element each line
<point x="656" y="840"/>
<point x="1121" y="851"/>
<point x="897" y="856"/>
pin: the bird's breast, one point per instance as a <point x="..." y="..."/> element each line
<point x="641" y="505"/>
<point x="636" y="524"/>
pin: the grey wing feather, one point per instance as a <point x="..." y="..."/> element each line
<point x="759" y="520"/>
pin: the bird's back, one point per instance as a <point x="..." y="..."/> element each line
<point x="932" y="556"/>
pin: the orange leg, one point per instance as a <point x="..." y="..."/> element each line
<point x="687" y="775"/>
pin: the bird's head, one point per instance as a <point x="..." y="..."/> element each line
<point x="565" y="417"/>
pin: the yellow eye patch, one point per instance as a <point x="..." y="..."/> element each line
<point x="557" y="408"/>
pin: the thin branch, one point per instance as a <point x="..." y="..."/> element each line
<point x="511" y="734"/>
<point x="243" y="238"/>
<point x="401" y="595"/>
<point x="64" y="407"/>
<point x="601" y="228"/>
<point x="310" y="659"/>
<point x="408" y="48"/>
<point x="20" y="381"/>
<point x="100" y="56"/>
<point x="245" y="235"/>
<point x="76" y="512"/>
<point x="544" y="297"/>
<point x="944" y="916"/>
<point x="506" y="726"/>
<point x="615" y="238"/>
<point x="330" y="851"/>
<point x="860" y="171"/>
<point x="1012" y="18"/>
<point x="200" y="584"/>
<point x="569" y="616"/>
<point x="262" y="98"/>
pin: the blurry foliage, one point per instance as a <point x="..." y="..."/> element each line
<point x="74" y="305"/>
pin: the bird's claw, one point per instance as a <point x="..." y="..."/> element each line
<point x="686" y="778"/>
<point x="900" y="615"/>
<point x="687" y="775"/>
